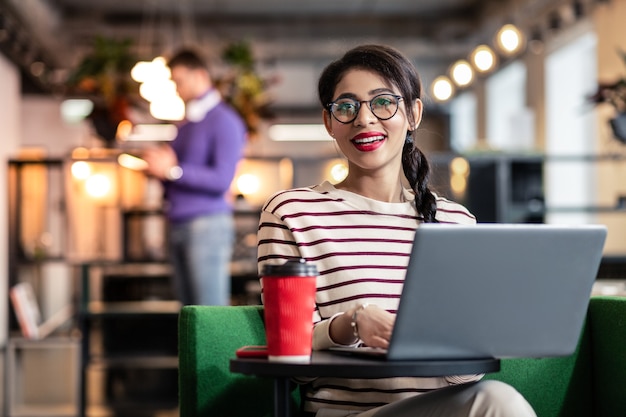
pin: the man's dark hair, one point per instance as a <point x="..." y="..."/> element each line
<point x="187" y="58"/>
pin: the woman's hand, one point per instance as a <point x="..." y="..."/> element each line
<point x="375" y="326"/>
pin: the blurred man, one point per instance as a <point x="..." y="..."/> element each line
<point x="197" y="170"/>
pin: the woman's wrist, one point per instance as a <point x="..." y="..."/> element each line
<point x="354" y="320"/>
<point x="340" y="328"/>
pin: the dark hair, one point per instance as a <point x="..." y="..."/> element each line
<point x="187" y="58"/>
<point x="394" y="67"/>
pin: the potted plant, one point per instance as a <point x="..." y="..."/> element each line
<point x="614" y="93"/>
<point x="243" y="88"/>
<point x="103" y="75"/>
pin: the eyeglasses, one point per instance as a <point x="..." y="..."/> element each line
<point x="383" y="106"/>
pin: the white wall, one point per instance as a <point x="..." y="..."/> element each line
<point x="509" y="122"/>
<point x="10" y="121"/>
<point x="43" y="127"/>
<point x="464" y="122"/>
<point x="570" y="76"/>
<point x="9" y="104"/>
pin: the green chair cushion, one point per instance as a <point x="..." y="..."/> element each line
<point x="555" y="387"/>
<point x="608" y="332"/>
<point x="208" y="337"/>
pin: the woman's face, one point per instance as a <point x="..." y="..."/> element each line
<point x="370" y="144"/>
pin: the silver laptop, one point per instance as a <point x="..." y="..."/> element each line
<point x="495" y="290"/>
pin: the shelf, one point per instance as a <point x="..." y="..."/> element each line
<point x="46" y="410"/>
<point x="119" y="356"/>
<point x="586" y="209"/>
<point x="44" y="377"/>
<point x="137" y="270"/>
<point x="136" y="392"/>
<point x="122" y="409"/>
<point x="30" y="260"/>
<point x="101" y="308"/>
<point x="60" y="339"/>
<point x="135" y="361"/>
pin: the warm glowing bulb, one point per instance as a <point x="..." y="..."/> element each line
<point x="172" y="108"/>
<point x="159" y="68"/>
<point x="459" y="166"/>
<point x="462" y="73"/>
<point x="338" y="172"/>
<point x="442" y="88"/>
<point x="141" y="71"/>
<point x="156" y="89"/>
<point x="509" y="39"/>
<point x="80" y="170"/>
<point x="248" y="184"/>
<point x="483" y="58"/>
<point x="458" y="184"/>
<point x="98" y="185"/>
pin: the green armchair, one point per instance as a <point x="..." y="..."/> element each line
<point x="591" y="382"/>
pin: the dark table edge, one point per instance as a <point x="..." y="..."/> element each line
<point x="325" y="364"/>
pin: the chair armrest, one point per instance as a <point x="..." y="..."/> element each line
<point x="608" y="335"/>
<point x="208" y="337"/>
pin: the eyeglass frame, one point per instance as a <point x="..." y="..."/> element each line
<point x="369" y="102"/>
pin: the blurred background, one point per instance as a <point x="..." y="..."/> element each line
<point x="525" y="109"/>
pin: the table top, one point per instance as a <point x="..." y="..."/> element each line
<point x="333" y="364"/>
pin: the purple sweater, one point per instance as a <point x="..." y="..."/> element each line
<point x="208" y="152"/>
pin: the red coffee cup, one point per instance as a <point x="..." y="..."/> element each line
<point x="289" y="302"/>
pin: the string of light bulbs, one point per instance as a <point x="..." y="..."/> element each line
<point x="509" y="41"/>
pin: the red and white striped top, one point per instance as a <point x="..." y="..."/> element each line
<point x="361" y="249"/>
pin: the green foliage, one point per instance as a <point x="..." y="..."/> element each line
<point x="239" y="54"/>
<point x="614" y="92"/>
<point x="106" y="70"/>
<point x="242" y="87"/>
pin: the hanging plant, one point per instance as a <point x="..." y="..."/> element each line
<point x="614" y="93"/>
<point x="104" y="75"/>
<point x="243" y="88"/>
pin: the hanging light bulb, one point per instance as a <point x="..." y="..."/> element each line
<point x="168" y="108"/>
<point x="140" y="71"/>
<point x="152" y="90"/>
<point x="159" y="69"/>
<point x="442" y="88"/>
<point x="483" y="58"/>
<point x="462" y="73"/>
<point x="509" y="39"/>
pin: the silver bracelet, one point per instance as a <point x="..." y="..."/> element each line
<point x="353" y="323"/>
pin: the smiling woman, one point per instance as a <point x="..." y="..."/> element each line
<point x="359" y="233"/>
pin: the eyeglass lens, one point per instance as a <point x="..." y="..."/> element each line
<point x="383" y="106"/>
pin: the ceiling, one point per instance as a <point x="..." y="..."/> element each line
<point x="59" y="32"/>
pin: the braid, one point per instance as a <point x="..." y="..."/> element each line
<point x="417" y="171"/>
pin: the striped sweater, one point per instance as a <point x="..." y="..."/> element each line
<point x="361" y="249"/>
